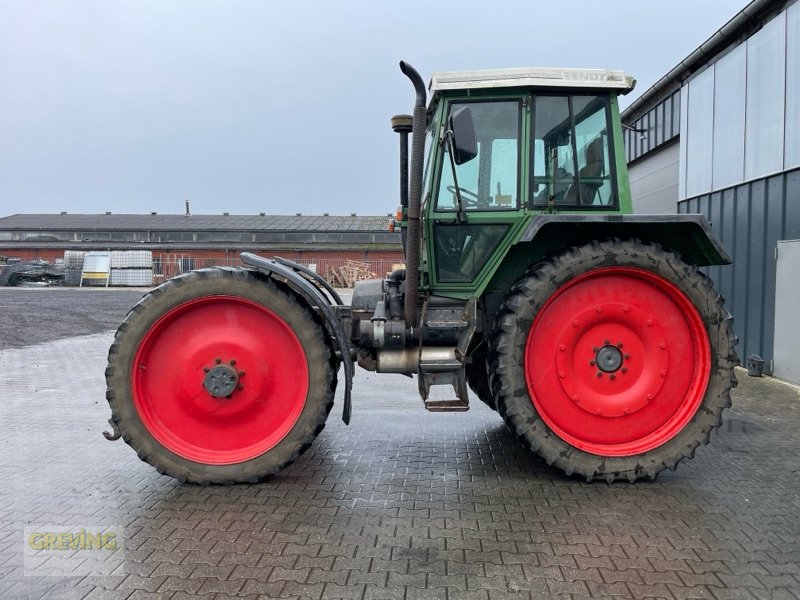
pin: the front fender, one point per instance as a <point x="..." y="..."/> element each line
<point x="309" y="289"/>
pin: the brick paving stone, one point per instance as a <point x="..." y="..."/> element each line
<point x="270" y="589"/>
<point x="657" y="590"/>
<point x="375" y="592"/>
<point x="402" y="504"/>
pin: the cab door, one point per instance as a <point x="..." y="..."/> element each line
<point x="463" y="242"/>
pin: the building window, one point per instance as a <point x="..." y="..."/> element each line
<point x="699" y="143"/>
<point x="677" y="98"/>
<point x="792" y="156"/>
<point x="729" y="95"/>
<point x="764" y="120"/>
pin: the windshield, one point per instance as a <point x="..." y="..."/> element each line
<point x="489" y="181"/>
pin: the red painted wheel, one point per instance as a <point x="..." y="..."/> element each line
<point x="630" y="361"/>
<point x="219" y="376"/>
<point x="613" y="361"/>
<point x="235" y="375"/>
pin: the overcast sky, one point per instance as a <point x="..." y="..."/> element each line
<point x="277" y="107"/>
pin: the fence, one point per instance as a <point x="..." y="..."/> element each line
<point x="341" y="272"/>
<point x="338" y="271"/>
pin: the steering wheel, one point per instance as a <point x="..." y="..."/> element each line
<point x="472" y="199"/>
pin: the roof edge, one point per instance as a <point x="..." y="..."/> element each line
<point x="717" y="42"/>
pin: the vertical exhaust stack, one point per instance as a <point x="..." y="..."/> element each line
<point x="415" y="195"/>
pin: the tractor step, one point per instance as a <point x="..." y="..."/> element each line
<point x="446" y="405"/>
<point x="430" y="375"/>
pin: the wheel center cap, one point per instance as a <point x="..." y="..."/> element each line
<point x="221" y="381"/>
<point x="608" y="359"/>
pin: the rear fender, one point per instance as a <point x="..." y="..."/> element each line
<point x="307" y="284"/>
<point x="690" y="236"/>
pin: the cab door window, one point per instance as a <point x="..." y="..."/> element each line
<point x="490" y="181"/>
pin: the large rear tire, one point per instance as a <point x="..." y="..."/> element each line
<point x="478" y="377"/>
<point x="220" y="376"/>
<point x="613" y="361"/>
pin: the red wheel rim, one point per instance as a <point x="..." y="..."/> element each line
<point x="617" y="361"/>
<point x="261" y="360"/>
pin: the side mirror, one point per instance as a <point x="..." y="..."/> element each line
<point x="465" y="148"/>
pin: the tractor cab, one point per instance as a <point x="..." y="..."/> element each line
<point x="505" y="145"/>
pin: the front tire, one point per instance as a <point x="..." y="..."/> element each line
<point x="220" y="376"/>
<point x="613" y="361"/>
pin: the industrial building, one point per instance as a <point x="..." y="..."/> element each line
<point x="184" y="242"/>
<point x="720" y="135"/>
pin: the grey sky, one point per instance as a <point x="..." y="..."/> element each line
<point x="247" y="107"/>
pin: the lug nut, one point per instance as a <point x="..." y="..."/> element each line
<point x="218" y="360"/>
<point x="599" y="373"/>
<point x="591" y="363"/>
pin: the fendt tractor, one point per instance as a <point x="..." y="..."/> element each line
<point x="589" y="329"/>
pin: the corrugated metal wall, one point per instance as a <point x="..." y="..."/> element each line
<point x="750" y="219"/>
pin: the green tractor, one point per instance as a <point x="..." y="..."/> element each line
<point x="590" y="330"/>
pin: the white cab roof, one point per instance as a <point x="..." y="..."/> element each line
<point x="532" y="77"/>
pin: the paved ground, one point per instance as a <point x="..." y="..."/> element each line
<point x="401" y="504"/>
<point x="35" y="315"/>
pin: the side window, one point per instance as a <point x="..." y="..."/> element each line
<point x="554" y="161"/>
<point x="490" y="181"/>
<point x="571" y="162"/>
<point x="591" y="140"/>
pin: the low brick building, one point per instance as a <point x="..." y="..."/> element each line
<point x="182" y="242"/>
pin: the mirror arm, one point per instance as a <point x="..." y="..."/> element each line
<point x="448" y="136"/>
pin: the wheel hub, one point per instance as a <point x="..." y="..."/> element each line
<point x="221" y="381"/>
<point x="608" y="359"/>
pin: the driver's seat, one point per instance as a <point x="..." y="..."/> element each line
<point x="595" y="165"/>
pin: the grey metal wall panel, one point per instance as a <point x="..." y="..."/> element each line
<point x="654" y="182"/>
<point x="792" y="209"/>
<point x="715" y="218"/>
<point x="754" y="282"/>
<point x="750" y="219"/>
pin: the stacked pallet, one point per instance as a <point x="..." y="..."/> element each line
<point x="346" y="275"/>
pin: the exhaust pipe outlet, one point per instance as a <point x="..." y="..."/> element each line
<point x="415" y="195"/>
